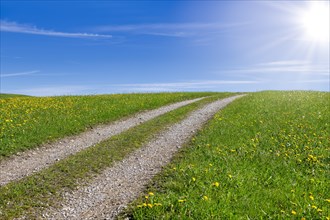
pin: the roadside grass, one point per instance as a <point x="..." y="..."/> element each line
<point x="29" y="195"/>
<point x="265" y="156"/>
<point x="27" y="122"/>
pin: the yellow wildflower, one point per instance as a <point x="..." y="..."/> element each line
<point x="216" y="184"/>
<point x="150" y="205"/>
<point x="205" y="198"/>
<point x="293" y="212"/>
<point x="151" y="194"/>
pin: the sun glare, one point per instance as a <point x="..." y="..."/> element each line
<point x="315" y="21"/>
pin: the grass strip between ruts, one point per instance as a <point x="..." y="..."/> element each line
<point x="30" y="195"/>
<point x="264" y="156"/>
<point x="28" y="122"/>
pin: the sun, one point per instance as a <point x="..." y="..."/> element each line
<point x="314" y="21"/>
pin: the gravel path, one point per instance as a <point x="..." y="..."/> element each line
<point x="26" y="163"/>
<point x="113" y="189"/>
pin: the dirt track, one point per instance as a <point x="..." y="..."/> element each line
<point x="26" y="163"/>
<point x="112" y="190"/>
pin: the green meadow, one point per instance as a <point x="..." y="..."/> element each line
<point x="30" y="195"/>
<point x="26" y="122"/>
<point x="265" y="156"/>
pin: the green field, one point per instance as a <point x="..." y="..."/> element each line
<point x="6" y="96"/>
<point x="26" y="122"/>
<point x="265" y="156"/>
<point x="29" y="195"/>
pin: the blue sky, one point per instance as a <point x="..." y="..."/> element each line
<point x="96" y="47"/>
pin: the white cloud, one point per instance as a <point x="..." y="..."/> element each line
<point x="14" y="27"/>
<point x="284" y="63"/>
<point x="19" y="74"/>
<point x="126" y="88"/>
<point x="167" y="29"/>
<point x="178" y="86"/>
<point x="52" y="90"/>
<point x="283" y="67"/>
<point x="164" y="26"/>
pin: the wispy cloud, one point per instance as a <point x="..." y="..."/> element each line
<point x="164" y="26"/>
<point x="14" y="27"/>
<point x="19" y="74"/>
<point x="283" y="67"/>
<point x="179" y="86"/>
<point x="284" y="63"/>
<point x="53" y="90"/>
<point x="167" y="29"/>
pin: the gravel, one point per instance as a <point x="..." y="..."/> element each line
<point x="112" y="190"/>
<point x="26" y="163"/>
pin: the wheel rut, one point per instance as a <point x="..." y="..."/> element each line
<point x="112" y="190"/>
<point x="29" y="162"/>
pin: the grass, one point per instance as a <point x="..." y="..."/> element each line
<point x="29" y="195"/>
<point x="26" y="122"/>
<point x="265" y="156"/>
<point x="6" y="95"/>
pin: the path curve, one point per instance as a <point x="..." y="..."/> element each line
<point x="113" y="189"/>
<point x="19" y="166"/>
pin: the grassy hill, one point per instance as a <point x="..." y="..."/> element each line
<point x="5" y="95"/>
<point x="27" y="122"/>
<point x="265" y="156"/>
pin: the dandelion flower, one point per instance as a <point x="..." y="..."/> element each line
<point x="293" y="212"/>
<point x="205" y="198"/>
<point x="216" y="184"/>
<point x="151" y="194"/>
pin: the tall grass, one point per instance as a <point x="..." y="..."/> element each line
<point x="265" y="156"/>
<point x="26" y="122"/>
